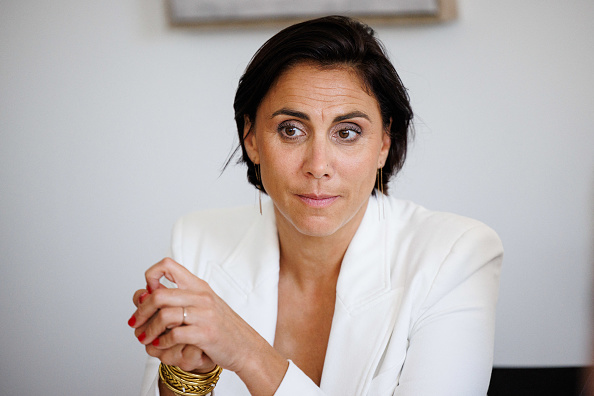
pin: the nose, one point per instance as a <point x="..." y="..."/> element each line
<point x="317" y="161"/>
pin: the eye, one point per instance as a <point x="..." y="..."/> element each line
<point x="348" y="133"/>
<point x="345" y="134"/>
<point x="289" y="130"/>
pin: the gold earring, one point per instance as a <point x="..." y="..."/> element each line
<point x="259" y="186"/>
<point x="377" y="177"/>
<point x="380" y="190"/>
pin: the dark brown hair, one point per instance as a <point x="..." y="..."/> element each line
<point x="327" y="42"/>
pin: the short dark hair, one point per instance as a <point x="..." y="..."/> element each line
<point x="328" y="42"/>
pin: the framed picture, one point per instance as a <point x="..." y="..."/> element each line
<point x="221" y="12"/>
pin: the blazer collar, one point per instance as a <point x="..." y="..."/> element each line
<point x="256" y="256"/>
<point x="364" y="273"/>
<point x="248" y="278"/>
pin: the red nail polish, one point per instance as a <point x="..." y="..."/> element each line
<point x="143" y="297"/>
<point x="148" y="288"/>
<point x="132" y="321"/>
<point x="156" y="342"/>
<point x="142" y="336"/>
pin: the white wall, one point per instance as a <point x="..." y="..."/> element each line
<point x="113" y="124"/>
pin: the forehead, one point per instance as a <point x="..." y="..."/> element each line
<point x="320" y="89"/>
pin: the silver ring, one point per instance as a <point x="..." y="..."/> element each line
<point x="185" y="316"/>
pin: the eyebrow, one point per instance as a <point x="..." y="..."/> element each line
<point x="352" y="114"/>
<point x="291" y="113"/>
<point x="303" y="116"/>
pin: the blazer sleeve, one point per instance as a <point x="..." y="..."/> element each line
<point x="150" y="381"/>
<point x="451" y="341"/>
<point x="297" y="383"/>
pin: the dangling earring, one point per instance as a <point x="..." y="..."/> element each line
<point x="380" y="190"/>
<point x="259" y="186"/>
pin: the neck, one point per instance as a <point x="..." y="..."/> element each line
<point x="312" y="261"/>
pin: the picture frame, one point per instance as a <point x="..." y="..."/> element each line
<point x="267" y="12"/>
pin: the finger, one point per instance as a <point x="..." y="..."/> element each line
<point x="159" y="324"/>
<point x="152" y="289"/>
<point x="167" y="356"/>
<point x="187" y="357"/>
<point x="171" y="270"/>
<point x="159" y="299"/>
<point x="140" y="332"/>
<point x="187" y="335"/>
<point x="136" y="299"/>
<point x="194" y="359"/>
<point x="168" y="319"/>
<point x="139" y="296"/>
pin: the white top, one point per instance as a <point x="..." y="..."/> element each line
<point x="415" y="299"/>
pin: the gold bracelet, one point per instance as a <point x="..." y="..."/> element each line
<point x="183" y="383"/>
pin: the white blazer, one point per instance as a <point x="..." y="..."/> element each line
<point x="415" y="299"/>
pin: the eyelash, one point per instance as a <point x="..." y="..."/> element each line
<point x="352" y="128"/>
<point x="283" y="126"/>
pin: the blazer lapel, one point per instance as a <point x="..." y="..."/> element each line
<point x="248" y="282"/>
<point x="364" y="314"/>
<point x="248" y="279"/>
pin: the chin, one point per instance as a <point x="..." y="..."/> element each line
<point x="317" y="232"/>
<point x="317" y="227"/>
<point x="322" y="223"/>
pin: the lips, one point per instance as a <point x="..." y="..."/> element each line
<point x="317" y="200"/>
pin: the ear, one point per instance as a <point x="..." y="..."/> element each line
<point x="250" y="141"/>
<point x="385" y="149"/>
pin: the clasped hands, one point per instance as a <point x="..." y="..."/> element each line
<point x="192" y="328"/>
<point x="189" y="326"/>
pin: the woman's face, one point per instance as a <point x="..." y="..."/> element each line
<point x="319" y="140"/>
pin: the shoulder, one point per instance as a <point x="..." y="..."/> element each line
<point x="429" y="246"/>
<point x="447" y="267"/>
<point x="420" y="227"/>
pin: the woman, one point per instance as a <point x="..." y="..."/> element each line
<point x="335" y="288"/>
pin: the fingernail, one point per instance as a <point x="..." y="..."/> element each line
<point x="142" y="336"/>
<point x="156" y="342"/>
<point x="143" y="296"/>
<point x="132" y="321"/>
<point x="148" y="288"/>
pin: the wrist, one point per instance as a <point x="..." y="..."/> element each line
<point x="204" y="370"/>
<point x="263" y="372"/>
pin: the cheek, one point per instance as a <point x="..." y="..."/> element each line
<point x="360" y="168"/>
<point x="277" y="164"/>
